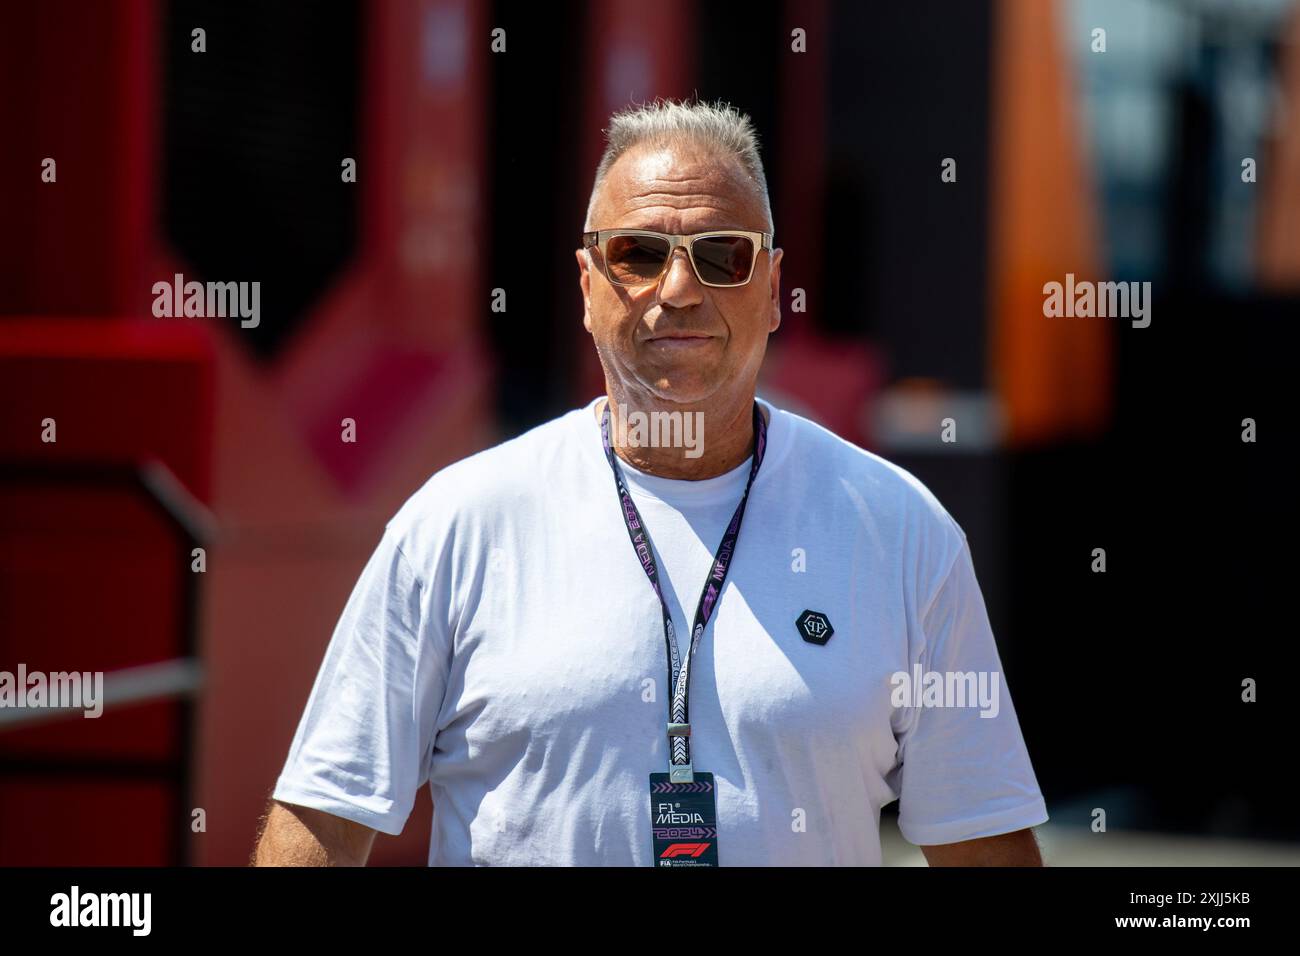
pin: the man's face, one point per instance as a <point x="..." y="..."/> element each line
<point x="677" y="340"/>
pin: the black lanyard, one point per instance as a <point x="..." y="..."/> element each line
<point x="679" y="672"/>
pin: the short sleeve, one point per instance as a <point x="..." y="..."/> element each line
<point x="363" y="745"/>
<point x="965" y="771"/>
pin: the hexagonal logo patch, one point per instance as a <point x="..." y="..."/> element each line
<point x="815" y="627"/>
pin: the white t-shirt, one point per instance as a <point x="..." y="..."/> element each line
<point x="504" y="646"/>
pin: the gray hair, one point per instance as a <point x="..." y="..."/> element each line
<point x="665" y="122"/>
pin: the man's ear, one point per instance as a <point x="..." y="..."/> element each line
<point x="774" y="271"/>
<point x="584" y="283"/>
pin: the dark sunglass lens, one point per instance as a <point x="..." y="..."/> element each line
<point x="725" y="260"/>
<point x="635" y="258"/>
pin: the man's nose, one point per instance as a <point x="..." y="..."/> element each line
<point x="679" y="285"/>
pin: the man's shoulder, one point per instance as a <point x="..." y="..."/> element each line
<point x="855" y="486"/>
<point x="495" y="478"/>
<point x="879" y="481"/>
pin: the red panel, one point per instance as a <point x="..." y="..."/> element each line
<point x="92" y="575"/>
<point x="396" y="343"/>
<point x="90" y="580"/>
<point x="84" y="821"/>
<point x="78" y="80"/>
<point x="119" y="390"/>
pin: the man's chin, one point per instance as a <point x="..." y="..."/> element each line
<point x="683" y="390"/>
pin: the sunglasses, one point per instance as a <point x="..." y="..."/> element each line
<point x="723" y="259"/>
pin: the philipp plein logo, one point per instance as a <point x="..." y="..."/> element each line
<point x="815" y="627"/>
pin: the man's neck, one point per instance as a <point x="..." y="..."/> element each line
<point x="721" y="439"/>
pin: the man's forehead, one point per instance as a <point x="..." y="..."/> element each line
<point x="685" y="161"/>
<point x="650" y="180"/>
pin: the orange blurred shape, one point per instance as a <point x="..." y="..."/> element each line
<point x="1052" y="375"/>
<point x="1279" y="179"/>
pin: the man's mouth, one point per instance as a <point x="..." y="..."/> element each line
<point x="680" y="340"/>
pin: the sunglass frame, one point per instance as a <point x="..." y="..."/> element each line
<point x="599" y="239"/>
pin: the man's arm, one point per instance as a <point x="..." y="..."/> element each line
<point x="1006" y="849"/>
<point x="300" y="836"/>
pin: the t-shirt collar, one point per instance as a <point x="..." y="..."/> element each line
<point x="680" y="491"/>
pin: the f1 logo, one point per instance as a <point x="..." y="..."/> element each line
<point x="684" y="849"/>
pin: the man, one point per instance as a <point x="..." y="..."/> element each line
<point x="527" y="638"/>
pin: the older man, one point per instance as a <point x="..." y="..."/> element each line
<point x="527" y="638"/>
